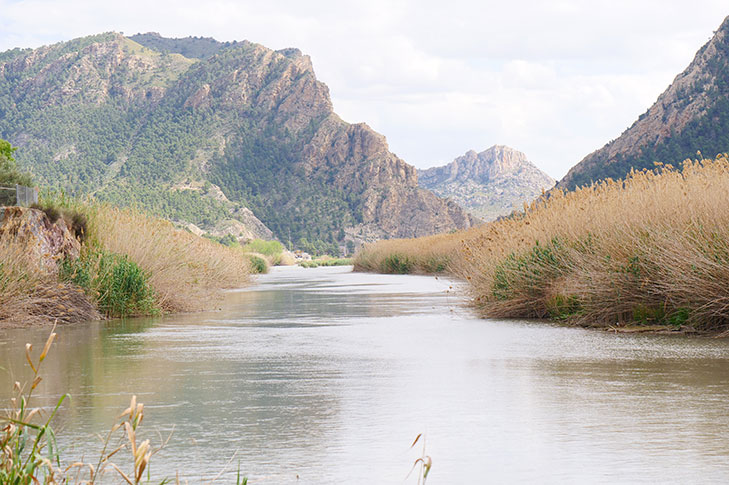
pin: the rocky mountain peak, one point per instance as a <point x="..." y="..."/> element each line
<point x="492" y="163"/>
<point x="491" y="183"/>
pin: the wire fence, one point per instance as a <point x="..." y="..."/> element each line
<point x="18" y="195"/>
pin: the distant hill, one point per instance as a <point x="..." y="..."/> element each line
<point x="488" y="184"/>
<point x="692" y="115"/>
<point x="200" y="131"/>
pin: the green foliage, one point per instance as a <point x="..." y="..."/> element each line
<point x="258" y="264"/>
<point x="267" y="248"/>
<point x="397" y="264"/>
<point x="28" y="448"/>
<point x="436" y="264"/>
<point x="10" y="175"/>
<point x="191" y="47"/>
<point x="122" y="287"/>
<point x="119" y="285"/>
<point x="659" y="315"/>
<point x="528" y="272"/>
<point x="228" y="240"/>
<point x="78" y="271"/>
<point x="315" y="263"/>
<point x="561" y="307"/>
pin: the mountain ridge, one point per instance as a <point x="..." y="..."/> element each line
<point x="108" y="116"/>
<point x="690" y="116"/>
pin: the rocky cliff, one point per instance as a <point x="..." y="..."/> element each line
<point x="691" y="116"/>
<point x="44" y="242"/>
<point x="136" y="121"/>
<point x="489" y="184"/>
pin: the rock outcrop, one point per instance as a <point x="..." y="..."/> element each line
<point x="45" y="242"/>
<point x="489" y="184"/>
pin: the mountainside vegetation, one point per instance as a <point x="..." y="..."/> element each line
<point x="690" y="117"/>
<point x="196" y="130"/>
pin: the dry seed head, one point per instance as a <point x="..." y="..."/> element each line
<point x="47" y="347"/>
<point x="140" y="453"/>
<point x="28" y="348"/>
<point x="36" y="381"/>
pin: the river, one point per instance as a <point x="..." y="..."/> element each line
<point x="324" y="376"/>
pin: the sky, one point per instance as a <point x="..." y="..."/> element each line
<point x="554" y="79"/>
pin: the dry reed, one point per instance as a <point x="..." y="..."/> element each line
<point x="651" y="249"/>
<point x="185" y="271"/>
<point x="29" y="294"/>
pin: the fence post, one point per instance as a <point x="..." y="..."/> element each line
<point x="25" y="196"/>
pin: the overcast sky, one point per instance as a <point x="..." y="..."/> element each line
<point x="554" y="79"/>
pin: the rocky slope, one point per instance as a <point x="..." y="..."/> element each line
<point x="488" y="184"/>
<point x="139" y="122"/>
<point x="691" y="115"/>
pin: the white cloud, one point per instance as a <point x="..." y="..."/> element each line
<point x="554" y="79"/>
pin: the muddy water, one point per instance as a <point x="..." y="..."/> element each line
<point x="323" y="376"/>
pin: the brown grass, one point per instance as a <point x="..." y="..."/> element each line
<point x="425" y="255"/>
<point x="651" y="249"/>
<point x="186" y="271"/>
<point x="28" y="294"/>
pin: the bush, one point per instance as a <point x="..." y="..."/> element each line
<point x="118" y="285"/>
<point x="258" y="264"/>
<point x="122" y="287"/>
<point x="9" y="173"/>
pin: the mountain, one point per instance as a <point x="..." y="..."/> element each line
<point x="691" y="116"/>
<point x="488" y="184"/>
<point x="198" y="131"/>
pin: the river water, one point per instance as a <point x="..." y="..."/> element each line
<point x="324" y="376"/>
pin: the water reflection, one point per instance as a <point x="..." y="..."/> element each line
<point x="329" y="375"/>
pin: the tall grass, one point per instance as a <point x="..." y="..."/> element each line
<point x="651" y="249"/>
<point x="185" y="271"/>
<point x="131" y="264"/>
<point x="425" y="255"/>
<point x="29" y="294"/>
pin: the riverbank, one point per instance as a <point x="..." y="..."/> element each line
<point x="70" y="262"/>
<point x="650" y="250"/>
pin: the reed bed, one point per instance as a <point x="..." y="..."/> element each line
<point x="653" y="249"/>
<point x="425" y="255"/>
<point x="131" y="264"/>
<point x="184" y="270"/>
